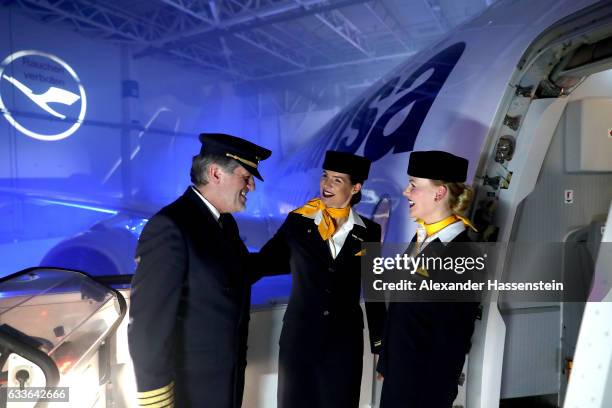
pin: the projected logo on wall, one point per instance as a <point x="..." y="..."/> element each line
<point x="41" y="95"/>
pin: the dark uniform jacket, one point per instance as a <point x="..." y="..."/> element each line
<point x="321" y="344"/>
<point x="189" y="309"/>
<point x="424" y="346"/>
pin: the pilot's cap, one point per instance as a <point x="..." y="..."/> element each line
<point x="246" y="153"/>
<point x="357" y="167"/>
<point x="437" y="165"/>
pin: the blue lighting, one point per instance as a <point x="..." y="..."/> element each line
<point x="133" y="225"/>
<point x="81" y="206"/>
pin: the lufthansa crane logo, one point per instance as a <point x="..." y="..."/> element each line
<point x="41" y="95"/>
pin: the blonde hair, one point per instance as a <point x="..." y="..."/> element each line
<point x="459" y="195"/>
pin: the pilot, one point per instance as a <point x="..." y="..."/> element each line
<point x="321" y="343"/>
<point x="425" y="343"/>
<point x="190" y="296"/>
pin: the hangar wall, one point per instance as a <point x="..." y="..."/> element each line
<point x="124" y="146"/>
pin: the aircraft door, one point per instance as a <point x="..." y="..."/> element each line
<point x="590" y="382"/>
<point x="583" y="246"/>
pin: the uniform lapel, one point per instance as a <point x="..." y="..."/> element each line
<point x="228" y="232"/>
<point x="206" y="216"/>
<point x="225" y="240"/>
<point x="418" y="249"/>
<point x="352" y="245"/>
<point x="313" y="237"/>
<point x="229" y="228"/>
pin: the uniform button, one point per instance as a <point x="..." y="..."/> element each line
<point x="326" y="313"/>
<point x="327" y="291"/>
<point x="330" y="269"/>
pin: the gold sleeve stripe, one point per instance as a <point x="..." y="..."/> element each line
<point x="169" y="403"/>
<point x="157" y="398"/>
<point x="156" y="392"/>
<point x="378" y="343"/>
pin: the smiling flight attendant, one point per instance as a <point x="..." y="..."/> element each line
<point x="425" y="343"/>
<point x="321" y="344"/>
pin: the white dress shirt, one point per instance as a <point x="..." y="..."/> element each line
<point x="211" y="207"/>
<point x="446" y="234"/>
<point x="336" y="242"/>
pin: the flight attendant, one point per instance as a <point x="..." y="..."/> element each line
<point x="425" y="343"/>
<point x="321" y="343"/>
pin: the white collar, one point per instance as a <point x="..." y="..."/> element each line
<point x="356" y="218"/>
<point x="211" y="207"/>
<point x="447" y="233"/>
<point x="352" y="220"/>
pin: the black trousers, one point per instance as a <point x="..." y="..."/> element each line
<point x="215" y="384"/>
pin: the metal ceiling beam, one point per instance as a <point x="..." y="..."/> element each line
<point x="255" y="14"/>
<point x="341" y="25"/>
<point x="184" y="8"/>
<point x="214" y="11"/>
<point x="258" y="17"/>
<point x="383" y="20"/>
<point x="143" y="27"/>
<point x="102" y="16"/>
<point x="436" y="11"/>
<point x="256" y="38"/>
<point x="267" y="43"/>
<point x="333" y="66"/>
<point x="294" y="37"/>
<point x="114" y="25"/>
<point x="121" y="25"/>
<point x="93" y="17"/>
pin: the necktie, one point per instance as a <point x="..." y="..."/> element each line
<point x="328" y="224"/>
<point x="225" y="222"/>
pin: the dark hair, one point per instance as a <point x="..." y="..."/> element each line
<point x="356" y="198"/>
<point x="201" y="162"/>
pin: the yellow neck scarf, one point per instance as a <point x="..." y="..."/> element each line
<point x="440" y="225"/>
<point x="328" y="224"/>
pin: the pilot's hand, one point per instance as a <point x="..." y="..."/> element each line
<point x="379" y="376"/>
